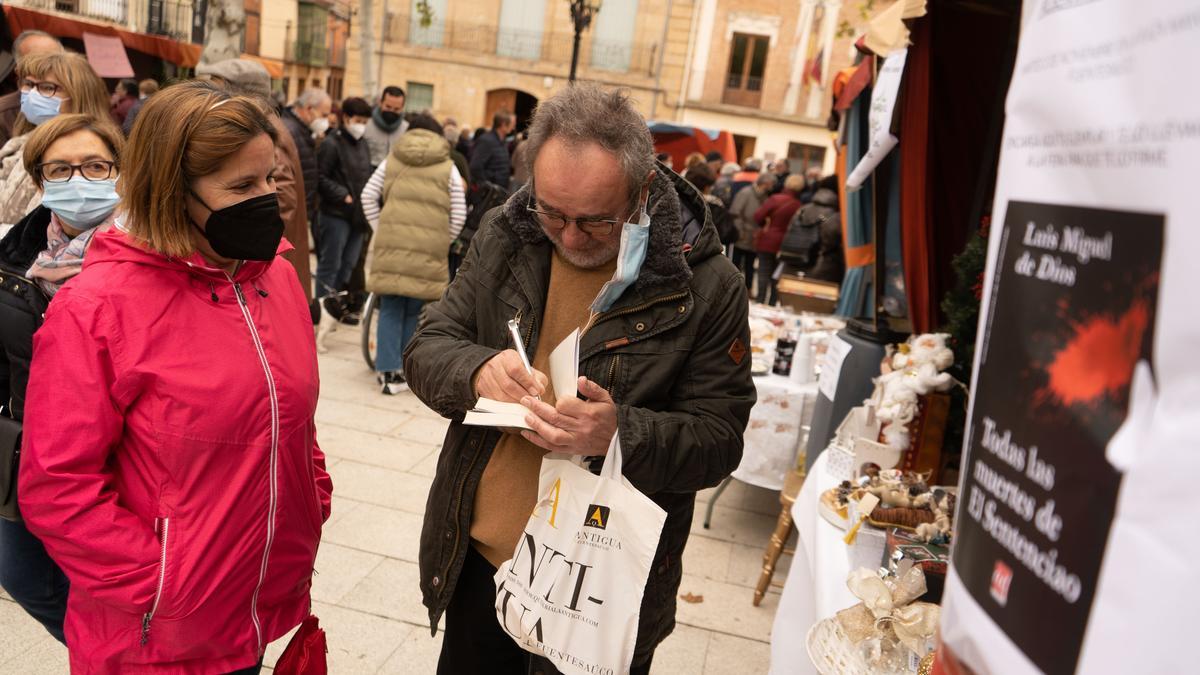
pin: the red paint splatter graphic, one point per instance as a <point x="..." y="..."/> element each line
<point x="1100" y="356"/>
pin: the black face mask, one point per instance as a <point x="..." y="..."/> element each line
<point x="389" y="116"/>
<point x="247" y="230"/>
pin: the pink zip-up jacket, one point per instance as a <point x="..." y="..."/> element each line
<point x="170" y="462"/>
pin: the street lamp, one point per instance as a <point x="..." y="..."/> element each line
<point x="582" y="12"/>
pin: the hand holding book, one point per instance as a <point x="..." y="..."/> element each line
<point x="509" y="397"/>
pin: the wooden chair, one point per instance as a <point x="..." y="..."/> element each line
<point x="783" y="530"/>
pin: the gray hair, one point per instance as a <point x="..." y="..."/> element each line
<point x="586" y="113"/>
<point x="754" y="164"/>
<point x="312" y="97"/>
<point x="26" y="34"/>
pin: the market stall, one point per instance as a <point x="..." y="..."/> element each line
<point x="679" y="141"/>
<point x="1077" y="437"/>
<point x="785" y="349"/>
<point x="874" y="516"/>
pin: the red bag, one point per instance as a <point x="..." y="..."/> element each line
<point x="305" y="653"/>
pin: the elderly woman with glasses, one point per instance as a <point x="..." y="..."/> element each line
<point x="74" y="161"/>
<point x="51" y="85"/>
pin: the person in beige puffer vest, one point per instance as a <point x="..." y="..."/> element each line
<point x="423" y="208"/>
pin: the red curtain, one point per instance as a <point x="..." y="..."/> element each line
<point x="956" y="78"/>
<point x="916" y="226"/>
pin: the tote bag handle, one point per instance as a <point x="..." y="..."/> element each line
<point x="612" y="461"/>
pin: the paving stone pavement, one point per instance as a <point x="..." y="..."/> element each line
<point x="381" y="452"/>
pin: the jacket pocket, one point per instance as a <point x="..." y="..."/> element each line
<point x="163" y="527"/>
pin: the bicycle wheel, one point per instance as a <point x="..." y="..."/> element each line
<point x="368" y="323"/>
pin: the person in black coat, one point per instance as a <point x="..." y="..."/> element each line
<point x="18" y="250"/>
<point x="702" y="178"/>
<point x="489" y="157"/>
<point x="828" y="258"/>
<point x="305" y="120"/>
<point x="344" y="166"/>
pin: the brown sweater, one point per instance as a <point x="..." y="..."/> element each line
<point x="508" y="490"/>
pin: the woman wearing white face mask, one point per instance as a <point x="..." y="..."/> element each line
<point x="51" y="84"/>
<point x="344" y="164"/>
<point x="74" y="159"/>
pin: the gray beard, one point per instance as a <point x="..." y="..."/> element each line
<point x="590" y="260"/>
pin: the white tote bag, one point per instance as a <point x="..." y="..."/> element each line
<point x="573" y="588"/>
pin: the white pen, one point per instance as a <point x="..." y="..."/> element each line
<point x="514" y="329"/>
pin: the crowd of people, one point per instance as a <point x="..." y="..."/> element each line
<point x="771" y="221"/>
<point x="158" y="362"/>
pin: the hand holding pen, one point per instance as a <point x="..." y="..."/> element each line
<point x="508" y="376"/>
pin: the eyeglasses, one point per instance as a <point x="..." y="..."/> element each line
<point x="556" y="221"/>
<point x="44" y="88"/>
<point x="61" y="172"/>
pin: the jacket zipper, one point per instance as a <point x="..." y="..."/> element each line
<point x="600" y="318"/>
<point x="162" y="575"/>
<point x="612" y="371"/>
<point x="272" y="505"/>
<point x="528" y="330"/>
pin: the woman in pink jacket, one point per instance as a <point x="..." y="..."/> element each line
<point x="170" y="463"/>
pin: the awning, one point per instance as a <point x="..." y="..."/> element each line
<point x="182" y="54"/>
<point x="672" y="128"/>
<point x="179" y="53"/>
<point x="274" y="67"/>
<point x="107" y="55"/>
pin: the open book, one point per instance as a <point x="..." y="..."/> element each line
<point x="564" y="379"/>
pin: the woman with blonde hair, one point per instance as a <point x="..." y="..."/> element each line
<point x="51" y="84"/>
<point x="177" y="480"/>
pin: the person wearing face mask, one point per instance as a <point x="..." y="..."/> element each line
<point x="27" y="43"/>
<point x="387" y="124"/>
<point x="250" y="78"/>
<point x="344" y="165"/>
<point x="51" y="83"/>
<point x="169" y="462"/>
<point x="307" y="121"/>
<point x="75" y="161"/>
<point x="604" y="240"/>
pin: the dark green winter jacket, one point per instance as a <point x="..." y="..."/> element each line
<point x="673" y="351"/>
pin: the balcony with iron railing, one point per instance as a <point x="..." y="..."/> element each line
<point x="109" y="11"/>
<point x="743" y="90"/>
<point x="308" y="52"/>
<point x="169" y="18"/>
<point x="553" y="47"/>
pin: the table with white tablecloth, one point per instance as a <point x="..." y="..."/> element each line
<point x="773" y="434"/>
<point x="816" y="584"/>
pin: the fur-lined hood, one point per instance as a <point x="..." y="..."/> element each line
<point x="668" y="262"/>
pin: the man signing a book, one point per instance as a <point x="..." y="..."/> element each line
<point x="602" y="240"/>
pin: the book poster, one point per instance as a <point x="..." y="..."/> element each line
<point x="1074" y="548"/>
<point x="1074" y="297"/>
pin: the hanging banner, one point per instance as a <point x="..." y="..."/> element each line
<point x="883" y="104"/>
<point x="106" y="54"/>
<point x="1072" y="552"/>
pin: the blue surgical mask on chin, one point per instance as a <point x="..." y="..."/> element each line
<point x="39" y="109"/>
<point x="635" y="238"/>
<point x="81" y="203"/>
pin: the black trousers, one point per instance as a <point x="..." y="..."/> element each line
<point x="744" y="261"/>
<point x="768" y="287"/>
<point x="473" y="642"/>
